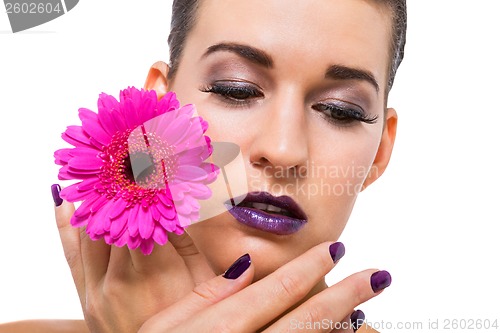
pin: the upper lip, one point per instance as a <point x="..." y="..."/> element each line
<point x="283" y="202"/>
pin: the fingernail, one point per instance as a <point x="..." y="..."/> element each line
<point x="55" y="194"/>
<point x="238" y="267"/>
<point x="380" y="280"/>
<point x="357" y="319"/>
<point x="337" y="251"/>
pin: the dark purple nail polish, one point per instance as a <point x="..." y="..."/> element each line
<point x="238" y="267"/>
<point x="55" y="194"/>
<point x="337" y="251"/>
<point x="357" y="319"/>
<point x="380" y="280"/>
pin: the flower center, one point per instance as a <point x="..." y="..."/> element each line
<point x="137" y="165"/>
<point x="143" y="165"/>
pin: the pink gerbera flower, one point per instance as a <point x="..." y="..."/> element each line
<point x="141" y="166"/>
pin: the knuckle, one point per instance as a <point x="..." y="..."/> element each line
<point x="72" y="258"/>
<point x="91" y="306"/>
<point x="315" y="314"/>
<point x="112" y="289"/>
<point x="83" y="234"/>
<point x="291" y="287"/>
<point x="206" y="292"/>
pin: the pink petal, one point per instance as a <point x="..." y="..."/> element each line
<point x="64" y="173"/>
<point x="100" y="222"/>
<point x="174" y="129"/>
<point x="169" y="225"/>
<point x="78" y="222"/>
<point x="133" y="221"/>
<point x="212" y="172"/>
<point x="106" y="106"/>
<point x="76" y="136"/>
<point x="147" y="108"/>
<point x="160" y="236"/>
<point x="118" y="226"/>
<point x="187" y="205"/>
<point x="107" y="102"/>
<point x="166" y="211"/>
<point x="146" y="223"/>
<point x="187" y="157"/>
<point x="83" y="164"/>
<point x="62" y="156"/>
<point x="187" y="110"/>
<point x="200" y="191"/>
<point x="183" y="221"/>
<point x="77" y="174"/>
<point x="123" y="239"/>
<point x="203" y="124"/>
<point x="98" y="204"/>
<point x="179" y="230"/>
<point x="166" y="198"/>
<point x="155" y="213"/>
<point x="178" y="189"/>
<point x="147" y="246"/>
<point x="92" y="127"/>
<point x="168" y="103"/>
<point x="84" y="209"/>
<point x="72" y="194"/>
<point x="190" y="173"/>
<point x="107" y="122"/>
<point x="134" y="242"/>
<point x="130" y="113"/>
<point x="88" y="184"/>
<point x="118" y="208"/>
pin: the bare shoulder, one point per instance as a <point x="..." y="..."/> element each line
<point x="45" y="326"/>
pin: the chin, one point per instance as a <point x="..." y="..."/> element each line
<point x="222" y="240"/>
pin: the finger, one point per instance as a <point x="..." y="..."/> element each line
<point x="161" y="259"/>
<point x="357" y="319"/>
<point x="268" y="298"/>
<point x="120" y="263"/>
<point x="238" y="276"/>
<point x="336" y="302"/>
<point x="70" y="239"/>
<point x="179" y="255"/>
<point x="195" y="260"/>
<point x="95" y="257"/>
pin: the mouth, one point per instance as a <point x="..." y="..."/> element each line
<point x="263" y="211"/>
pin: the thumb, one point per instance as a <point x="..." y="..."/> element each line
<point x="237" y="276"/>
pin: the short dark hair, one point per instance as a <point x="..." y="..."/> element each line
<point x="184" y="17"/>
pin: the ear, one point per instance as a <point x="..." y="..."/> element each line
<point x="157" y="79"/>
<point x="385" y="148"/>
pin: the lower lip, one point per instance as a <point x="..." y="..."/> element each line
<point x="258" y="219"/>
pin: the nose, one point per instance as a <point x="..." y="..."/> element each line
<point x="281" y="143"/>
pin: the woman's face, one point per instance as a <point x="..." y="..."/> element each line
<point x="300" y="88"/>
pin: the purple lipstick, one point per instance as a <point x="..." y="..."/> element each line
<point x="263" y="211"/>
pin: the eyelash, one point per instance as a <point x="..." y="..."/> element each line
<point x="344" y="115"/>
<point x="229" y="93"/>
<point x="338" y="115"/>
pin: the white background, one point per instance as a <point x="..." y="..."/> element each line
<point x="432" y="220"/>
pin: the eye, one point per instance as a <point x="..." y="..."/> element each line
<point x="234" y="93"/>
<point x="342" y="113"/>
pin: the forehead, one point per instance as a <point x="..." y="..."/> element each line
<point x="315" y="33"/>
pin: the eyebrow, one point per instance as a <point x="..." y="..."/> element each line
<point x="252" y="54"/>
<point x="339" y="72"/>
<point x="259" y="57"/>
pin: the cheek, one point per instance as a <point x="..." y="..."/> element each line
<point x="335" y="177"/>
